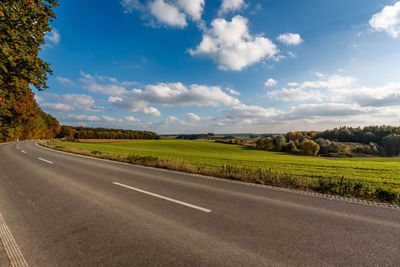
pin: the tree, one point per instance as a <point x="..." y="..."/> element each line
<point x="310" y="148"/>
<point x="23" y="25"/>
<point x="279" y="142"/>
<point x="391" y="144"/>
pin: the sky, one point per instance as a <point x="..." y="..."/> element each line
<point x="224" y="66"/>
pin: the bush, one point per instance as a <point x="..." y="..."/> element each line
<point x="279" y="142"/>
<point x="265" y="143"/>
<point x="391" y="145"/>
<point x="310" y="148"/>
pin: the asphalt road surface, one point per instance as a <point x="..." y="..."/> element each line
<point x="69" y="210"/>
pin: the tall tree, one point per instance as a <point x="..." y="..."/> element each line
<point x="23" y="25"/>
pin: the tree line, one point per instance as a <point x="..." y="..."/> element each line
<point x="80" y="132"/>
<point x="23" y="25"/>
<point x="343" y="141"/>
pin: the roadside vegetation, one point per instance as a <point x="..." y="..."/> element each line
<point x="367" y="178"/>
<point x="23" y="26"/>
<point x="76" y="133"/>
<point x="339" y="142"/>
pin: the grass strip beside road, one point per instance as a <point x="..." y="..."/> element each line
<point x="366" y="178"/>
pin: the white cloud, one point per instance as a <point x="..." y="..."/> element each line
<point x="194" y="8"/>
<point x="151" y="111"/>
<point x="172" y="13"/>
<point x="290" y="39"/>
<point x="231" y="6"/>
<point x="83" y="117"/>
<point x="53" y="37"/>
<point x="320" y="75"/>
<point x="57" y="107"/>
<point x="230" y="44"/>
<point x="193" y="117"/>
<point x="69" y="102"/>
<point x="247" y="114"/>
<point x="38" y="99"/>
<point x="65" y="81"/>
<point x="325" y="110"/>
<point x="130" y="5"/>
<point x="270" y="82"/>
<point x="382" y="96"/>
<point x="171" y="94"/>
<point x="232" y="92"/>
<point x="307" y="90"/>
<point x="333" y="82"/>
<point x="296" y="94"/>
<point x="293" y="84"/>
<point x="166" y="13"/>
<point x="387" y="20"/>
<point x="110" y="119"/>
<point x="131" y="119"/>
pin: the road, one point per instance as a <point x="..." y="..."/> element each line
<point x="69" y="210"/>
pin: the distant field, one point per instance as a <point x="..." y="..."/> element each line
<point x="105" y="140"/>
<point x="382" y="172"/>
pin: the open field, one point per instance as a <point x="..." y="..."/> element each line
<point x="207" y="155"/>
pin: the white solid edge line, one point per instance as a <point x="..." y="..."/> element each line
<point x="14" y="253"/>
<point x="165" y="198"/>
<point x="45" y="160"/>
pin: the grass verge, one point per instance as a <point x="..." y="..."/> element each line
<point x="266" y="176"/>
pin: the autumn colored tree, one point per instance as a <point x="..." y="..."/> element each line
<point x="310" y="148"/>
<point x="23" y="25"/>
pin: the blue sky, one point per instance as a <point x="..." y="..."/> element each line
<point x="191" y="66"/>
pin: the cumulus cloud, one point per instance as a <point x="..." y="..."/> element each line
<point x="381" y="96"/>
<point x="130" y="119"/>
<point x="111" y="119"/>
<point x="387" y="20"/>
<point x="290" y="39"/>
<point x="56" y="107"/>
<point x="69" y="102"/>
<point x="193" y="117"/>
<point x="320" y="75"/>
<point x="167" y="14"/>
<point x="232" y="92"/>
<point x="64" y="81"/>
<point x="83" y="117"/>
<point x="270" y="82"/>
<point x="172" y="13"/>
<point x="53" y="37"/>
<point x="293" y="84"/>
<point x="231" y="6"/>
<point x="247" y="114"/>
<point x="295" y="94"/>
<point x="230" y="44"/>
<point x="130" y="5"/>
<point x="171" y="94"/>
<point x="307" y="90"/>
<point x="194" y="8"/>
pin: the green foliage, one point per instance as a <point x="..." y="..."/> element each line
<point x="23" y="25"/>
<point x="391" y="144"/>
<point x="374" y="172"/>
<point x="310" y="148"/>
<point x="265" y="143"/>
<point x="362" y="177"/>
<point x="70" y="132"/>
<point x="279" y="142"/>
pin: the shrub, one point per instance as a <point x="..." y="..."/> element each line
<point x="279" y="142"/>
<point x="310" y="148"/>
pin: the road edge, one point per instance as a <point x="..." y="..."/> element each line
<point x="275" y="188"/>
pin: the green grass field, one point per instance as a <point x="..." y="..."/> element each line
<point x="376" y="172"/>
